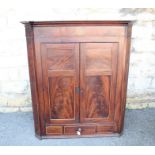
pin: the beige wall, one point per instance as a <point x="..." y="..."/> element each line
<point x="14" y="78"/>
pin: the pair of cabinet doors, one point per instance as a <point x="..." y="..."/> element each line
<point x="78" y="77"/>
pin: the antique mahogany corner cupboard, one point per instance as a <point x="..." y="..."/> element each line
<point x="78" y="75"/>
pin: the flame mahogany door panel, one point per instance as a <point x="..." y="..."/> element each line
<point x="60" y="69"/>
<point x="98" y="68"/>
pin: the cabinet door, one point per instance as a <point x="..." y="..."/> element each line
<point x="98" y="67"/>
<point x="60" y="67"/>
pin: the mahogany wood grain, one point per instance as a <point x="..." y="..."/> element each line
<point x="98" y="88"/>
<point x="60" y="67"/>
<point x="33" y="81"/>
<point x="54" y="130"/>
<point x="78" y="75"/>
<point x="84" y="130"/>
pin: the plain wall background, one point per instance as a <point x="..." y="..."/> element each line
<point x="14" y="77"/>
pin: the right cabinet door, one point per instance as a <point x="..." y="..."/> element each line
<point x="98" y="74"/>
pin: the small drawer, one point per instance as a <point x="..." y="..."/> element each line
<point x="79" y="130"/>
<point x="104" y="128"/>
<point x="54" y="130"/>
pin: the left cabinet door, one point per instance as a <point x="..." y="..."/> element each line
<point x="60" y="73"/>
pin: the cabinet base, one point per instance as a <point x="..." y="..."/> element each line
<point x="81" y="136"/>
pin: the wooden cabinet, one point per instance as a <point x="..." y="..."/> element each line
<point x="78" y="75"/>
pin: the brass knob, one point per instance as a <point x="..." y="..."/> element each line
<point x="78" y="132"/>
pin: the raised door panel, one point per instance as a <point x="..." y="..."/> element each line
<point x="98" y="66"/>
<point x="97" y="96"/>
<point x="60" y="67"/>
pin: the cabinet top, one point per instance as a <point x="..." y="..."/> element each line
<point x="93" y="22"/>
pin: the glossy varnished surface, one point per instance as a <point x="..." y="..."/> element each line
<point x="62" y="97"/>
<point x="97" y="79"/>
<point x="60" y="75"/>
<point x="97" y="97"/>
<point x="78" y="73"/>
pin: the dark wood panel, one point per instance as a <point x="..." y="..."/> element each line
<point x="60" y="57"/>
<point x="60" y="81"/>
<point x="122" y="79"/>
<point x="54" y="130"/>
<point x="78" y="39"/>
<point x="127" y="42"/>
<point x="97" y="81"/>
<point x="105" y="128"/>
<point x="37" y="114"/>
<point x="78" y="31"/>
<point x="62" y="102"/>
<point x="98" y="56"/>
<point x="79" y="130"/>
<point x="97" y="96"/>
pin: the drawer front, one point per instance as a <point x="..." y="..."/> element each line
<point x="104" y="129"/>
<point x="79" y="130"/>
<point x="54" y="130"/>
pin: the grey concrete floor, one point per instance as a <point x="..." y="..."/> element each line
<point x="17" y="129"/>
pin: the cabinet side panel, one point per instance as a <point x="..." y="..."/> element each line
<point x="32" y="74"/>
<point x="122" y="78"/>
<point x="126" y="49"/>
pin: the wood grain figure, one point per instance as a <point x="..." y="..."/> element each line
<point x="78" y="75"/>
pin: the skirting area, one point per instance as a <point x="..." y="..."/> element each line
<point x="17" y="129"/>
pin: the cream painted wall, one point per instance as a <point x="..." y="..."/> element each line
<point x="14" y="79"/>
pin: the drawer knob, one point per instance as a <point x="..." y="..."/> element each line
<point x="78" y="132"/>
